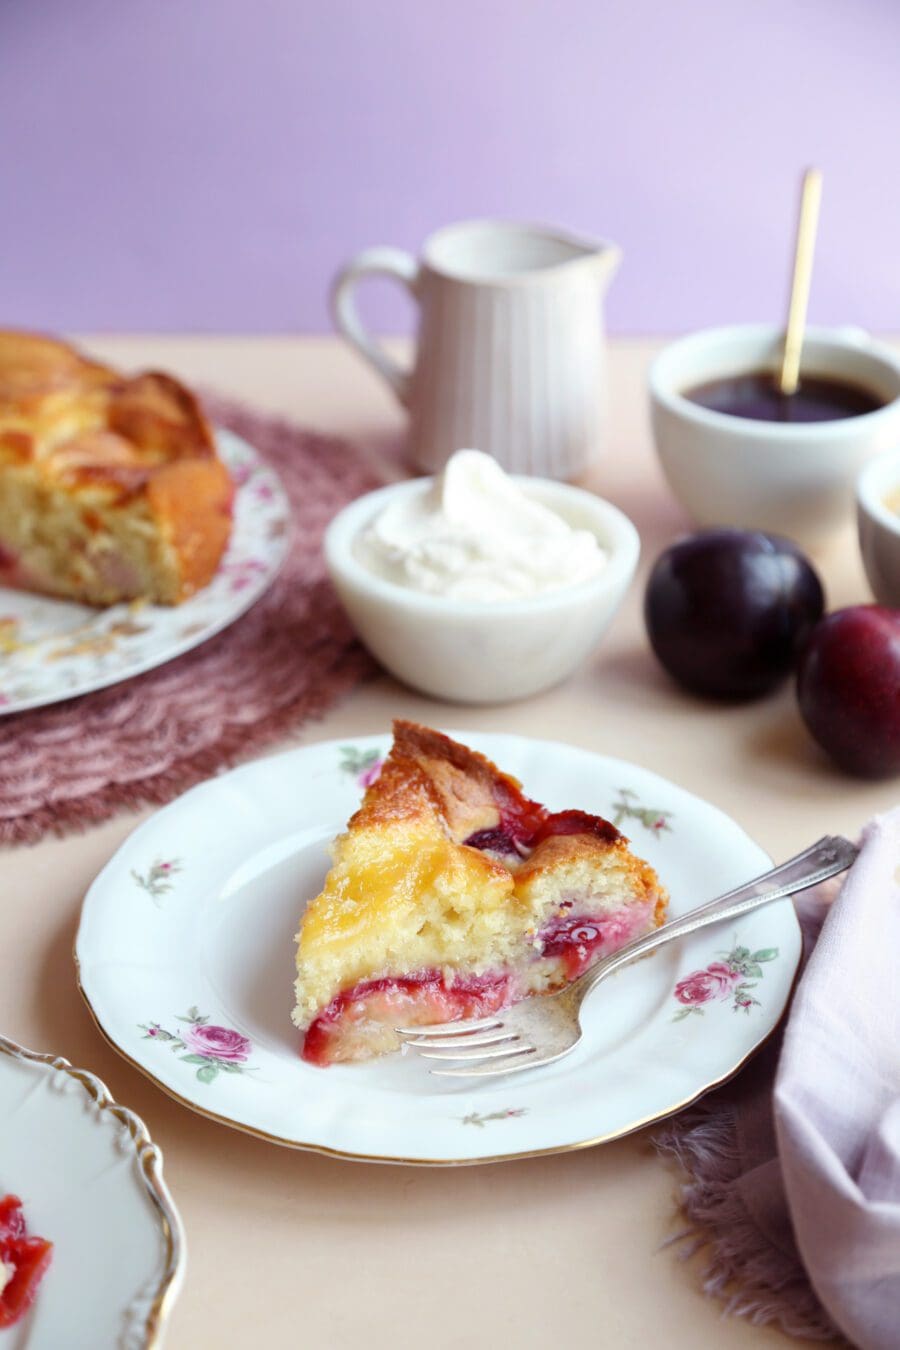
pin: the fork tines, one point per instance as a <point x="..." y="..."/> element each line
<point x="486" y="1042"/>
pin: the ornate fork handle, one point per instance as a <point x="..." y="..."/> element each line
<point x="822" y="860"/>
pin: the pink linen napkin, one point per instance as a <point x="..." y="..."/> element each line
<point x="794" y="1166"/>
<point x="837" y="1100"/>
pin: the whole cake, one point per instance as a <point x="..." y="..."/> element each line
<point x="452" y="895"/>
<point x="110" y="486"/>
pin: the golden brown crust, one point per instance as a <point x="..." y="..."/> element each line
<point x="465" y="781"/>
<point x="427" y="772"/>
<point x="401" y="791"/>
<point x="198" y="536"/>
<point x="559" y="849"/>
<point x="563" y="850"/>
<point x="66" y="413"/>
<point x="34" y="366"/>
<point x="162" y="417"/>
<point x="424" y="744"/>
<point x="78" y="427"/>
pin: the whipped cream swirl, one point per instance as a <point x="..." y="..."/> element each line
<point x="474" y="535"/>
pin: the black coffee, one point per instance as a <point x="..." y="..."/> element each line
<point x="756" y="395"/>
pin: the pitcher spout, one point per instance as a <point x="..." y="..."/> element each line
<point x="604" y="259"/>
<point x="600" y="257"/>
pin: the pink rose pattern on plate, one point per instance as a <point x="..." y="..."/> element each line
<point x="734" y="978"/>
<point x="241" y="573"/>
<point x="157" y="880"/>
<point x="509" y="1113"/>
<point x="627" y="806"/>
<point x="212" y="1049"/>
<point x="363" y="765"/>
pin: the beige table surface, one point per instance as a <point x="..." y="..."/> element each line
<point x="291" y="1249"/>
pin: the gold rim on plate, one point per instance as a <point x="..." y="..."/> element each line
<point x="351" y="1156"/>
<point x="150" y="1165"/>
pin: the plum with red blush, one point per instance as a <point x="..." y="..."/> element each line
<point x="848" y="688"/>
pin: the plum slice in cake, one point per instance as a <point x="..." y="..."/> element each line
<point x="452" y="895"/>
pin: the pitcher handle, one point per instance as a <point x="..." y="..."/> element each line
<point x="382" y="261"/>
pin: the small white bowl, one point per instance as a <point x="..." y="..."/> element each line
<point x="879" y="527"/>
<point x="466" y="652"/>
<point x="796" y="479"/>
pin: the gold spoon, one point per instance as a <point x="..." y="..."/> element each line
<point x="807" y="224"/>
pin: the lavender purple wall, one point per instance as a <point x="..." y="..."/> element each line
<point x="207" y="164"/>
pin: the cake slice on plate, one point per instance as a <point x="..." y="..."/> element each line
<point x="111" y="488"/>
<point x="452" y="895"/>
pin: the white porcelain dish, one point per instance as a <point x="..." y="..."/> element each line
<point x="511" y="353"/>
<point x="186" y="959"/>
<point x="52" y="650"/>
<point x="796" y="479"/>
<point x="468" y="652"/>
<point x="90" y="1179"/>
<point x="879" y="527"/>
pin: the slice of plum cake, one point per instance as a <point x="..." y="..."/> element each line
<point x="452" y="895"/>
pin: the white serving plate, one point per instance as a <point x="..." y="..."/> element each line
<point x="52" y="650"/>
<point x="90" y="1180"/>
<point x="186" y="960"/>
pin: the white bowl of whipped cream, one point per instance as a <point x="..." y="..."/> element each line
<point x="477" y="586"/>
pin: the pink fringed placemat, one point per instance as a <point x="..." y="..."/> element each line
<point x="285" y="661"/>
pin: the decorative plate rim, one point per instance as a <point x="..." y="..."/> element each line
<point x="356" y="1155"/>
<point x="254" y="591"/>
<point x="149" y="1158"/>
<point x="390" y="1160"/>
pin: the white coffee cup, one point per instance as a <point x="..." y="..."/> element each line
<point x="795" y="478"/>
<point x="510" y="355"/>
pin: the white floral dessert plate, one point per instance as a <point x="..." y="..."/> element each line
<point x="90" y="1181"/>
<point x="186" y="959"/>
<point x="52" y="649"/>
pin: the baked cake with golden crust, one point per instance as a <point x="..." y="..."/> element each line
<point x="452" y="895"/>
<point x="110" y="486"/>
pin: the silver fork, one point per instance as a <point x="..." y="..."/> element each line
<point x="543" y="1028"/>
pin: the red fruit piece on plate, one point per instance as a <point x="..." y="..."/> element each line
<point x="25" y="1260"/>
<point x="342" y="1031"/>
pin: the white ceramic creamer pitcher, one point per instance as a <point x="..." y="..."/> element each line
<point x="510" y="356"/>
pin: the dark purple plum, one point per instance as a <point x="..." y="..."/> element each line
<point x="848" y="687"/>
<point x="727" y="611"/>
